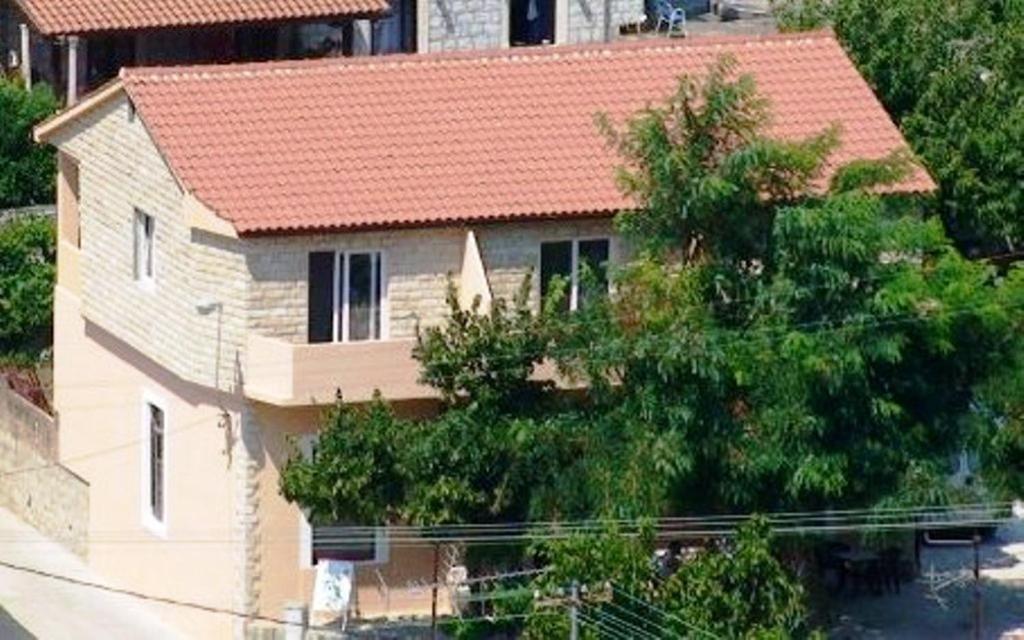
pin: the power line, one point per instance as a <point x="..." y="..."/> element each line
<point x="620" y="625"/>
<point x="107" y="450"/>
<point x="633" y="614"/>
<point x="153" y="598"/>
<point x="951" y="516"/>
<point x="662" y="612"/>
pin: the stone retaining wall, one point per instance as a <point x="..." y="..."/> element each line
<point x="33" y="485"/>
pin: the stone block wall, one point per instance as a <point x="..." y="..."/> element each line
<point x="417" y="264"/>
<point x="483" y="24"/>
<point x="456" y="25"/>
<point x="43" y="493"/>
<point x="586" y="18"/>
<point x="121" y="170"/>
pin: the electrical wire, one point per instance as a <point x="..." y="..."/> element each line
<point x="662" y="612"/>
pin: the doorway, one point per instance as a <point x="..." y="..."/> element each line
<point x="531" y="22"/>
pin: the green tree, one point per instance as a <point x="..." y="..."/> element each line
<point x="27" y="273"/>
<point x="801" y="15"/>
<point x="735" y="589"/>
<point x="499" y="438"/>
<point x="27" y="170"/>
<point x="741" y="591"/>
<point x="952" y="75"/>
<point x="775" y="346"/>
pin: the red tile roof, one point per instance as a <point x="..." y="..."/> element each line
<point x="55" y="17"/>
<point x="417" y="140"/>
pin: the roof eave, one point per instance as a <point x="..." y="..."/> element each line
<point x="45" y="131"/>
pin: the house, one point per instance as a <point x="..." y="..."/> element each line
<point x="238" y="242"/>
<point x="43" y="39"/>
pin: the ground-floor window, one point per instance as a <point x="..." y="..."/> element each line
<point x="154" y="465"/>
<point x="342" y="541"/>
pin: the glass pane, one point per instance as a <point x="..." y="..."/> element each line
<point x="156" y="462"/>
<point x="137" y="245"/>
<point x="593" y="265"/>
<point x="149" y="243"/>
<point x="377" y="288"/>
<point x="360" y="296"/>
<point x="321" y="296"/>
<point x="555" y="261"/>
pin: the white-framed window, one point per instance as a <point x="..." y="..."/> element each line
<point x="565" y="259"/>
<point x="144" y="247"/>
<point x="154" y="464"/>
<point x="347" y="296"/>
<point x="327" y="543"/>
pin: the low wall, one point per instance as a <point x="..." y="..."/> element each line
<point x="33" y="485"/>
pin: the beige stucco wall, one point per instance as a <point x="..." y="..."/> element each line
<point x="99" y="386"/>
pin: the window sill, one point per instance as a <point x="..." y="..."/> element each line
<point x="154" y="526"/>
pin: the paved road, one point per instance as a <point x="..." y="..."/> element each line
<point x="45" y="608"/>
<point x="11" y="630"/>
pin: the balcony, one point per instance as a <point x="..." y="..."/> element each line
<point x="286" y="374"/>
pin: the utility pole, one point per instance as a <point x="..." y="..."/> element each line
<point x="433" y="591"/>
<point x="574" y="611"/>
<point x="977" y="587"/>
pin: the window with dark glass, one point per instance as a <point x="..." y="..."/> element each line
<point x="156" y="462"/>
<point x="321" y="296"/>
<point x="345" y="296"/>
<point x="592" y="260"/>
<point x="556" y="262"/>
<point x="347" y="542"/>
<point x="145" y="246"/>
<point x="582" y="264"/>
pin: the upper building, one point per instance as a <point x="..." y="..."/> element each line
<point x="238" y="242"/>
<point x="76" y="45"/>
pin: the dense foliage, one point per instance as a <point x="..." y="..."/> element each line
<point x="772" y="344"/>
<point x="26" y="169"/>
<point x="27" y="273"/>
<point x="952" y="74"/>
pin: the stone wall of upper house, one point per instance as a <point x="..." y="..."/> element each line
<point x="418" y="265"/>
<point x="484" y="24"/>
<point x="586" y="18"/>
<point x="191" y="320"/>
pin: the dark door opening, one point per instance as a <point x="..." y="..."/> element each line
<point x="531" y="22"/>
<point x="397" y="32"/>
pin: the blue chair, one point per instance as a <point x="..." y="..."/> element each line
<point x="671" y="15"/>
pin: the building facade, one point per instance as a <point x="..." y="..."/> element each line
<point x="76" y="46"/>
<point x="229" y="261"/>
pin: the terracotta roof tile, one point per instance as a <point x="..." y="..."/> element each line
<point x="53" y="17"/>
<point x="413" y="140"/>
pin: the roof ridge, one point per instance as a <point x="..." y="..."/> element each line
<point x="510" y="55"/>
